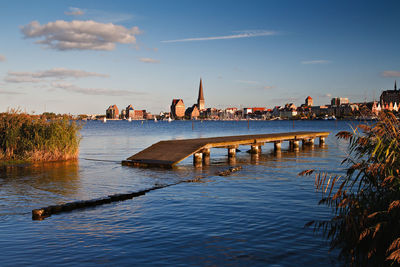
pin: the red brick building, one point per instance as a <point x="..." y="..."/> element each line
<point x="112" y="112"/>
<point x="130" y="112"/>
<point x="192" y="112"/>
<point x="178" y="108"/>
<point x="309" y="101"/>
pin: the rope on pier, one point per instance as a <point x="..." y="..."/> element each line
<point x="105" y="160"/>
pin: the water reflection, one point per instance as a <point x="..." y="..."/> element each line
<point x="56" y="177"/>
<point x="44" y="183"/>
<point x="253" y="215"/>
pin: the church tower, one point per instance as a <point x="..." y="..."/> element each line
<point x="395" y="86"/>
<point x="200" y="99"/>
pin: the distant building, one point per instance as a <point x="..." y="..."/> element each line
<point x="123" y="114"/>
<point x="321" y="110"/>
<point x="276" y="111"/>
<point x="289" y="111"/>
<point x="212" y="113"/>
<point x="258" y="110"/>
<point x="139" y="114"/>
<point x="374" y="106"/>
<point x="247" y="111"/>
<point x="112" y="112"/>
<point x="129" y="112"/>
<point x="231" y="110"/>
<point x="390" y="97"/>
<point x="337" y="101"/>
<point x="230" y="113"/>
<point x="309" y="101"/>
<point x="192" y="112"/>
<point x="177" y="108"/>
<point x="200" y="99"/>
<point x="148" y="116"/>
<point x="344" y="110"/>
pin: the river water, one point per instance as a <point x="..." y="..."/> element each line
<point x="255" y="217"/>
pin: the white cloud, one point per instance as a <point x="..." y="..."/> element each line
<point x="21" y="79"/>
<point x="80" y="35"/>
<point x="245" y="34"/>
<point x="74" y="11"/>
<point x="91" y="91"/>
<point x="391" y="73"/>
<point x="149" y="60"/>
<point x="318" y="61"/>
<point x="2" y="58"/>
<point x="55" y="73"/>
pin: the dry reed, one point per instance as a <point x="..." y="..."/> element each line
<point x="32" y="138"/>
<point x="366" y="224"/>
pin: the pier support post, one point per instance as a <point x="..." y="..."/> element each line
<point x="308" y="142"/>
<point x="197" y="159"/>
<point x="277" y="146"/>
<point x="206" y="156"/>
<point x="322" y="140"/>
<point x="231" y="152"/>
<point x="255" y="149"/>
<point x="294" y="144"/>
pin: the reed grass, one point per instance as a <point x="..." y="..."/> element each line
<point x="366" y="200"/>
<point x="32" y="138"/>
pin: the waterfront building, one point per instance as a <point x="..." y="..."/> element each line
<point x="123" y="114"/>
<point x="247" y="111"/>
<point x="192" y="112"/>
<point x="212" y="113"/>
<point x="321" y="110"/>
<point x="130" y="112"/>
<point x="148" y="116"/>
<point x="138" y="114"/>
<point x="289" y="111"/>
<point x="309" y="101"/>
<point x="376" y="108"/>
<point x="344" y="110"/>
<point x="337" y="101"/>
<point x="177" y="108"/>
<point x="112" y="112"/>
<point x="230" y="113"/>
<point x="231" y="110"/>
<point x="390" y="96"/>
<point x="276" y="111"/>
<point x="200" y="99"/>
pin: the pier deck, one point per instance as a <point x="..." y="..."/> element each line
<point x="168" y="153"/>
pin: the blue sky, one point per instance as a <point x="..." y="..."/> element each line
<point x="82" y="56"/>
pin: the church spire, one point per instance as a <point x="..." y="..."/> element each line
<point x="201" y="96"/>
<point x="200" y="99"/>
<point x="395" y="85"/>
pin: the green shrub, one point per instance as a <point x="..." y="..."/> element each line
<point x="32" y="138"/>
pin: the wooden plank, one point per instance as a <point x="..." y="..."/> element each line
<point x="171" y="152"/>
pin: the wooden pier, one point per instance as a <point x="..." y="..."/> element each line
<point x="169" y="153"/>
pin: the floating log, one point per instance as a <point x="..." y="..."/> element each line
<point x="229" y="171"/>
<point x="40" y="214"/>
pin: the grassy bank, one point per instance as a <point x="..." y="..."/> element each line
<point x="31" y="138"/>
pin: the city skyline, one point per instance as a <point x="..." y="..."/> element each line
<point x="81" y="56"/>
